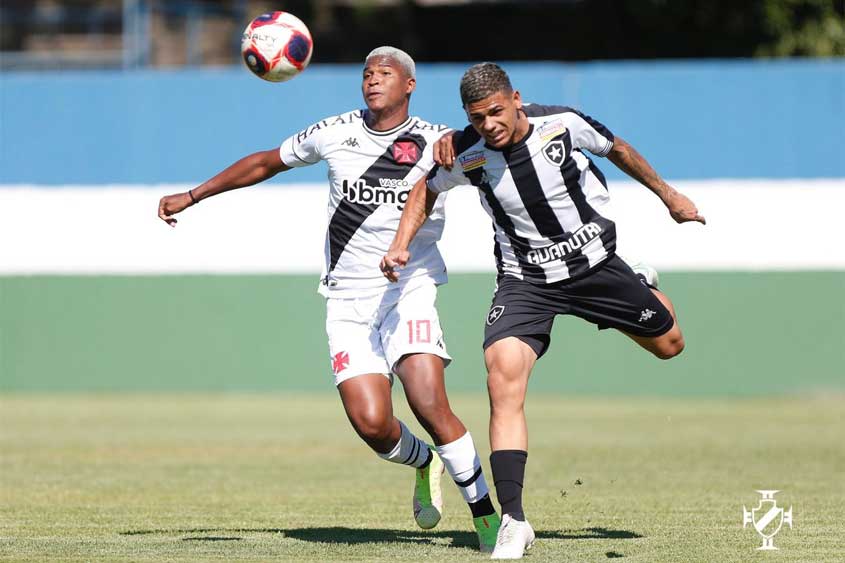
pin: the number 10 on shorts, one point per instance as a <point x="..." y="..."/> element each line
<point x="419" y="332"/>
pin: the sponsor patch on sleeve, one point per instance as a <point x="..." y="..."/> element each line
<point x="472" y="160"/>
<point x="551" y="129"/>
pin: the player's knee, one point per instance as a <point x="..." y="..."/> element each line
<point x="669" y="348"/>
<point x="372" y="425"/>
<point x="505" y="388"/>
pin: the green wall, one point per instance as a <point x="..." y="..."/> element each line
<point x="747" y="333"/>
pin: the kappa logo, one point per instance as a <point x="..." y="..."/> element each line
<point x="340" y="362"/>
<point x="767" y="518"/>
<point x="495" y="314"/>
<point x="554" y="152"/>
<point x="646" y="314"/>
<point x="350" y="142"/>
<point x="405" y="152"/>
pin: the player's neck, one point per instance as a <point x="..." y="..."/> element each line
<point x="386" y="119"/>
<point x="522" y="128"/>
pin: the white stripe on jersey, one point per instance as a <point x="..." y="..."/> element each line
<point x="370" y="176"/>
<point x="544" y="195"/>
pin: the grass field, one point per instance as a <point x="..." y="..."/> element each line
<point x="282" y="477"/>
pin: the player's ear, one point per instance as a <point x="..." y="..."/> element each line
<point x="517" y="99"/>
<point x="412" y="85"/>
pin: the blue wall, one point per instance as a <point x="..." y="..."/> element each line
<point x="741" y="119"/>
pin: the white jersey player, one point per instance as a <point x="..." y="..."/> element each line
<point x="376" y="329"/>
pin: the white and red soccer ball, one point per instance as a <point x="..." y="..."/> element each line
<point x="276" y="46"/>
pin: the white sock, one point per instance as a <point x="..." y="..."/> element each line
<point x="462" y="463"/>
<point x="409" y="450"/>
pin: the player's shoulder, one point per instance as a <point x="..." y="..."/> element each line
<point x="333" y="124"/>
<point x="431" y="131"/>
<point x="466" y="140"/>
<point x="540" y="110"/>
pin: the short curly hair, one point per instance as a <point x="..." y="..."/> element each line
<point x="482" y="81"/>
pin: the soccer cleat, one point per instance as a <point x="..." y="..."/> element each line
<point x="647" y="274"/>
<point x="487" y="528"/>
<point x="428" y="502"/>
<point x="513" y="539"/>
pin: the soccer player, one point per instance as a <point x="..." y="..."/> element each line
<point x="376" y="329"/>
<point x="555" y="252"/>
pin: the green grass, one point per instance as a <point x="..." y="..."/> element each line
<point x="747" y="333"/>
<point x="283" y="477"/>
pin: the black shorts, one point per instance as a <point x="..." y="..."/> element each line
<point x="611" y="296"/>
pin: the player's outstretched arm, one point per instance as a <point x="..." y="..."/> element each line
<point x="417" y="208"/>
<point x="627" y="159"/>
<point x="249" y="170"/>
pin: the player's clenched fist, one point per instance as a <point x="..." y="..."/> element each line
<point x="170" y="205"/>
<point x="682" y="209"/>
<point x="392" y="261"/>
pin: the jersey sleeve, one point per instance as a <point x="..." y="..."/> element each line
<point x="587" y="133"/>
<point x="441" y="180"/>
<point x="302" y="149"/>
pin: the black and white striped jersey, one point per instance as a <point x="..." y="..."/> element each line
<point x="370" y="176"/>
<point x="545" y="196"/>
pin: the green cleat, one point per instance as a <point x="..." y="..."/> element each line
<point x="487" y="528"/>
<point x="428" y="502"/>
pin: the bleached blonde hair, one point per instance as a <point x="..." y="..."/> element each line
<point x="398" y="55"/>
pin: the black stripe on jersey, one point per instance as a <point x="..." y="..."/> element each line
<point x="348" y="217"/>
<point x="463" y="141"/>
<point x="608" y="227"/>
<point x="537" y="204"/>
<point x="571" y="176"/>
<point x="519" y="244"/>
<point x="537" y="110"/>
<point x="497" y="252"/>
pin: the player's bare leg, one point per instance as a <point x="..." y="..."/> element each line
<point x="424" y="382"/>
<point x="509" y="364"/>
<point x="423" y="379"/>
<point x="368" y="405"/>
<point x="667" y="345"/>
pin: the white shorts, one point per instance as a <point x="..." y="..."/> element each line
<point x="371" y="334"/>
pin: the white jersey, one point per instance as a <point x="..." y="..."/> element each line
<point x="370" y="176"/>
<point x="546" y="197"/>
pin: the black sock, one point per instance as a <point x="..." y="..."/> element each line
<point x="482" y="507"/>
<point x="508" y="474"/>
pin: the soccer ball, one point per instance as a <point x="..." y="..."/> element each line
<point x="276" y="46"/>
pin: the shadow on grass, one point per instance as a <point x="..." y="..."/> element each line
<point x="212" y="538"/>
<point x="336" y="535"/>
